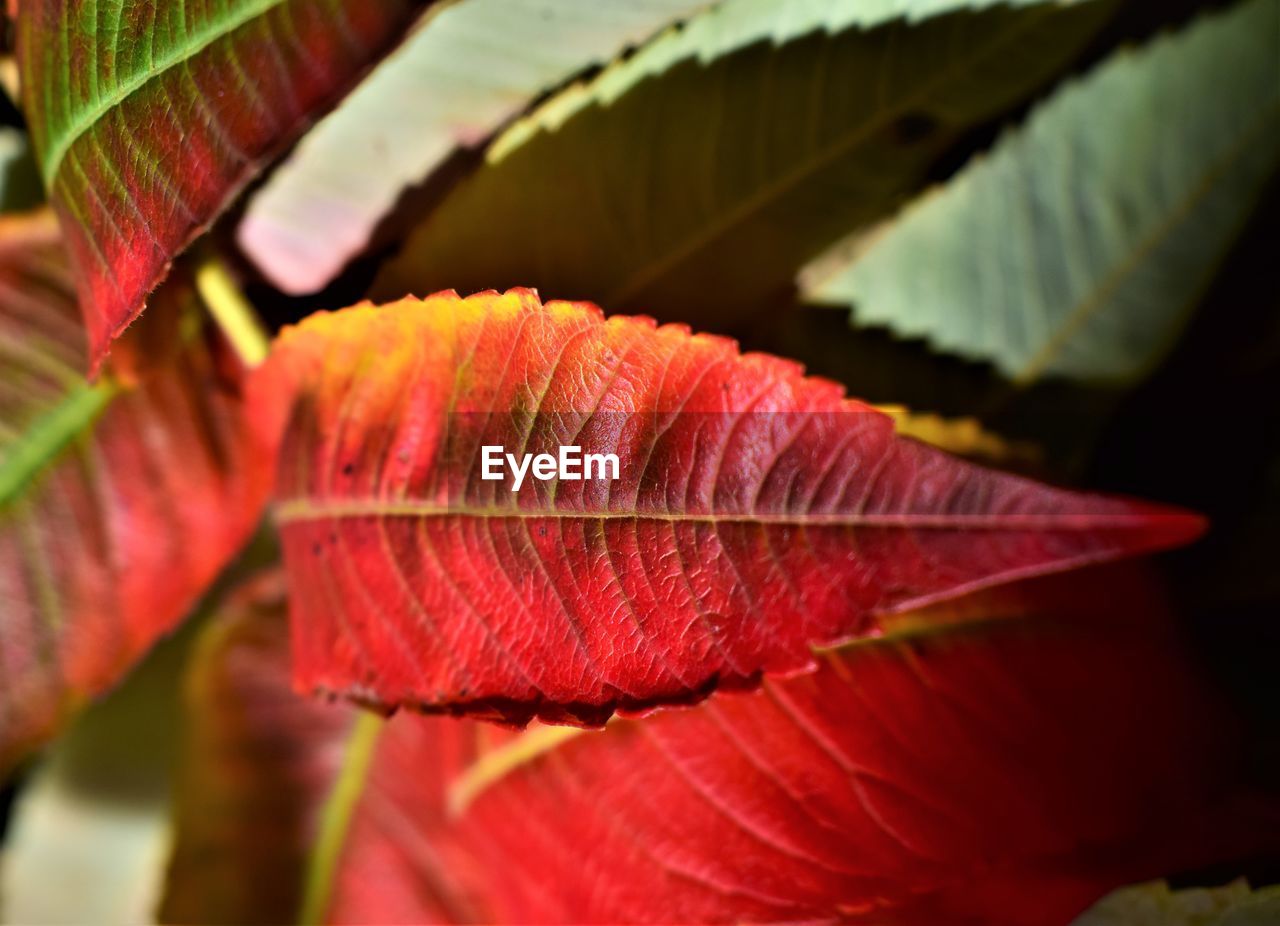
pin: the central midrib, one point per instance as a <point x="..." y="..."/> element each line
<point x="295" y="510"/>
<point x="46" y="436"/>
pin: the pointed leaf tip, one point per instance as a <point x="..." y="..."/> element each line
<point x="753" y="513"/>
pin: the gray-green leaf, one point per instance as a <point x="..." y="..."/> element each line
<point x="470" y="67"/>
<point x="1078" y="247"/>
<point x="693" y="179"/>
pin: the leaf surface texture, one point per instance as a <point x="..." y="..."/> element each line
<point x="906" y="780"/>
<point x="756" y="512"/>
<point x="149" y="117"/>
<point x="253" y="753"/>
<point x="697" y="176"/>
<point x="471" y="67"/>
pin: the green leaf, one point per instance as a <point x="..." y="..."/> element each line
<point x="720" y="157"/>
<point x="1077" y="248"/>
<point x="1154" y="904"/>
<point x="148" y="118"/>
<point x="469" y="69"/>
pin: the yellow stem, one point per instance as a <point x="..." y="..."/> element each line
<point x="229" y="308"/>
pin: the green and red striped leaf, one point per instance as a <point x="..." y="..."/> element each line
<point x="119" y="501"/>
<point x="757" y="512"/>
<point x="149" y="117"/>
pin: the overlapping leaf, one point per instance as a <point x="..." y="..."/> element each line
<point x="473" y="66"/>
<point x="259" y="765"/>
<point x="755" y="512"/>
<point x="149" y="117"/>
<point x="1078" y="246"/>
<point x="119" y="502"/>
<point x="697" y="176"/>
<point x="906" y="780"/>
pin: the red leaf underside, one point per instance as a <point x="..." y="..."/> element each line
<point x="952" y="778"/>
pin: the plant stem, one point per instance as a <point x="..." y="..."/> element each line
<point x="229" y="308"/>
<point x="336" y="816"/>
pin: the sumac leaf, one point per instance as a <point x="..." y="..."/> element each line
<point x="119" y="501"/>
<point x="471" y="67"/>
<point x="769" y="130"/>
<point x="1007" y="771"/>
<point x="1003" y="758"/>
<point x="965" y="437"/>
<point x="97" y="803"/>
<point x="148" y="117"/>
<point x="756" y="512"/>
<point x="1078" y="246"/>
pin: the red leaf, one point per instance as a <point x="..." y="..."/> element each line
<point x="757" y="512"/>
<point x="1005" y="758"/>
<point x="1002" y="772"/>
<point x="119" y="502"/>
<point x="148" y="118"/>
